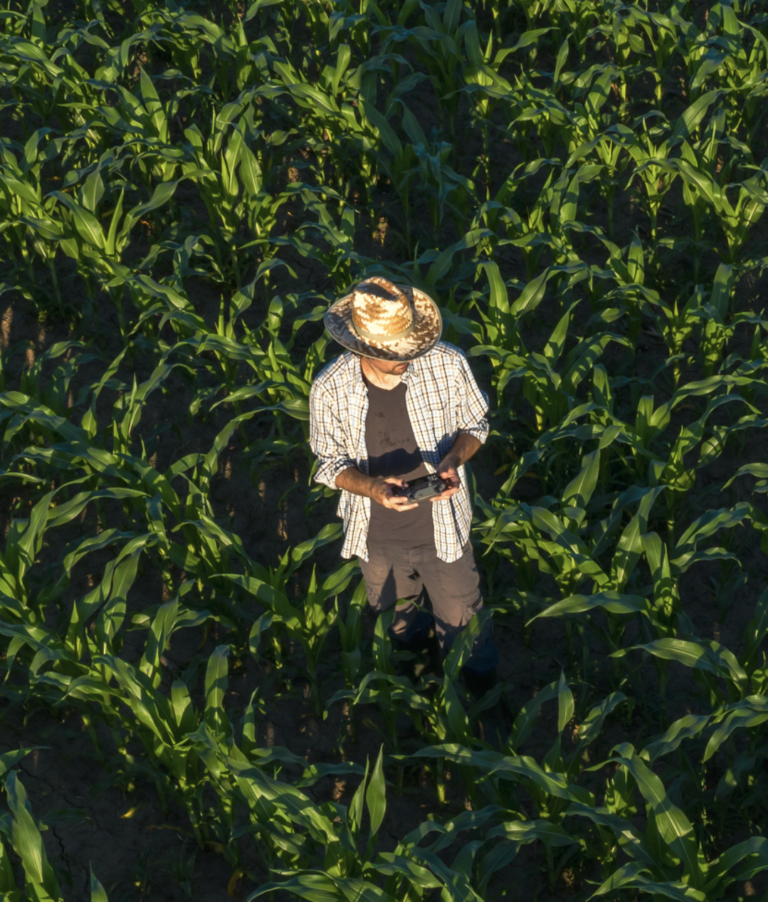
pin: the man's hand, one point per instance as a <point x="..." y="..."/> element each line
<point x="383" y="491"/>
<point x="447" y="471"/>
<point x="463" y="448"/>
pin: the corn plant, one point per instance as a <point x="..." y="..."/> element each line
<point x="22" y="832"/>
<point x="581" y="188"/>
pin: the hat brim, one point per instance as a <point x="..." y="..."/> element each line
<point x="427" y="327"/>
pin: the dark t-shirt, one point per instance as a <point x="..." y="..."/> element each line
<point x="392" y="451"/>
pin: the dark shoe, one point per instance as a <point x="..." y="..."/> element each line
<point x="414" y="646"/>
<point x="479" y="683"/>
<point x="491" y="713"/>
<point x="494" y="728"/>
<point x="421" y="629"/>
<point x="417" y="657"/>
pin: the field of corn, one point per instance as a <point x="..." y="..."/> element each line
<point x="194" y="701"/>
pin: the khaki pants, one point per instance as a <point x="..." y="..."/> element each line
<point x="416" y="575"/>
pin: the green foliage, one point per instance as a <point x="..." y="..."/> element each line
<point x="20" y="830"/>
<point x="184" y="188"/>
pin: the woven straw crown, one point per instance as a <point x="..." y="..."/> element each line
<point x="386" y="321"/>
<point x="380" y="311"/>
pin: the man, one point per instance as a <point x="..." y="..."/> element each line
<point x="398" y="405"/>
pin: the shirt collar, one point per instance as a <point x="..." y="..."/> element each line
<point x="356" y="374"/>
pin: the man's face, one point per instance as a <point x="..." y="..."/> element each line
<point x="388" y="367"/>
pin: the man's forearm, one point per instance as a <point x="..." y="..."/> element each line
<point x="382" y="491"/>
<point x="353" y="480"/>
<point x="463" y="448"/>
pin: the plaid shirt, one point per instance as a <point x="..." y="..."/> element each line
<point x="443" y="401"/>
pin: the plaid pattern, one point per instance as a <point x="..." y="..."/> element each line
<point x="443" y="401"/>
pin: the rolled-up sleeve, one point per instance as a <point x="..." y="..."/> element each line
<point x="471" y="403"/>
<point x="325" y="438"/>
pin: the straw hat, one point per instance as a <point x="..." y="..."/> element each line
<point x="382" y="320"/>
